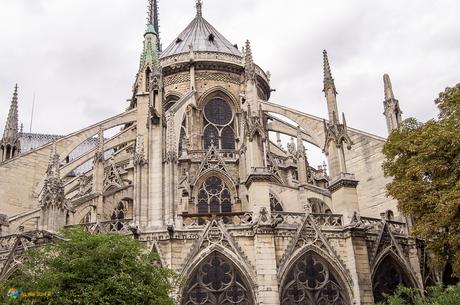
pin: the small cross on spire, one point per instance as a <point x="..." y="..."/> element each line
<point x="199" y="7"/>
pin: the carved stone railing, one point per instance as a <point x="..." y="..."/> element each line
<point x="321" y="220"/>
<point x="396" y="227"/>
<point x="7" y="242"/>
<point x="289" y="218"/>
<point x="328" y="220"/>
<point x="117" y="225"/>
<point x="234" y="218"/>
<point x="371" y="222"/>
<point x="225" y="154"/>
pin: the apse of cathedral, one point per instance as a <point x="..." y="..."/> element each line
<point x="198" y="173"/>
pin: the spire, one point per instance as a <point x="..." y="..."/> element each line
<point x="387" y="87"/>
<point x="392" y="112"/>
<point x="10" y="134"/>
<point x="153" y="26"/>
<point x="249" y="67"/>
<point x="328" y="80"/>
<point x="199" y="8"/>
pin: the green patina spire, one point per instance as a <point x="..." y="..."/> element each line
<point x="150" y="29"/>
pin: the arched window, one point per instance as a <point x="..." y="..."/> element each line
<point x="86" y="218"/>
<point x="318" y="206"/>
<point x="182" y="137"/>
<point x="218" y="124"/>
<point x="148" y="72"/>
<point x="275" y="204"/>
<point x="217" y="281"/>
<point x="389" y="215"/>
<point x="118" y="215"/>
<point x="311" y="281"/>
<point x="387" y="277"/>
<point x="214" y="197"/>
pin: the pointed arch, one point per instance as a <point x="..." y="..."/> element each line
<point x="214" y="193"/>
<point x="313" y="277"/>
<point x="216" y="277"/>
<point x="221" y="92"/>
<point x="388" y="272"/>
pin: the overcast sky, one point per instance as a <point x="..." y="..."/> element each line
<point x="80" y="57"/>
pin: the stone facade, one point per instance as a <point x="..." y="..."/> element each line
<point x="194" y="175"/>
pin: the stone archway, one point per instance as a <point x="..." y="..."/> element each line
<point x="217" y="281"/>
<point x="311" y="280"/>
<point x="388" y="275"/>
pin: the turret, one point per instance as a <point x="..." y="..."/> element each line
<point x="343" y="183"/>
<point x="9" y="144"/>
<point x="54" y="208"/>
<point x="336" y="133"/>
<point x="392" y="112"/>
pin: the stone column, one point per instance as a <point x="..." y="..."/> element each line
<point x="264" y="243"/>
<point x="344" y="196"/>
<point x="358" y="264"/>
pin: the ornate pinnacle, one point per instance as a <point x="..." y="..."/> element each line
<point x="99" y="154"/>
<point x="387" y="87"/>
<point x="199" y="8"/>
<point x="328" y="80"/>
<point x="249" y="67"/>
<point x="54" y="163"/>
<point x="10" y="133"/>
<point x="53" y="189"/>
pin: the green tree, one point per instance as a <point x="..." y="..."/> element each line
<point x="92" y="269"/>
<point x="424" y="161"/>
<point x="435" y="295"/>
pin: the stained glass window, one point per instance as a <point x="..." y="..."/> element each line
<point x="310" y="281"/>
<point x="218" y="125"/>
<point x="214" y="197"/>
<point x="387" y="278"/>
<point x="118" y="214"/>
<point x="217" y="111"/>
<point x="217" y="282"/>
<point x="228" y="138"/>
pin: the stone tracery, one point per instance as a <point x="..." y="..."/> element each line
<point x="217" y="281"/>
<point x="312" y="281"/>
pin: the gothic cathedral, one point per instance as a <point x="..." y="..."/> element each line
<point x="197" y="171"/>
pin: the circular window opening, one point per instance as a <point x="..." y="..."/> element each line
<point x="217" y="111"/>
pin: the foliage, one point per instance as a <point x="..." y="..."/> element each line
<point x="424" y="160"/>
<point x="436" y="295"/>
<point x="92" y="269"/>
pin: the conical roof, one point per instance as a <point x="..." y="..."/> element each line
<point x="203" y="37"/>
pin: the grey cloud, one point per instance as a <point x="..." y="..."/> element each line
<point x="81" y="57"/>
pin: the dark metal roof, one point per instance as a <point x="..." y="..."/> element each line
<point x="203" y="37"/>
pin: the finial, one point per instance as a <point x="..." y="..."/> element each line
<point x="328" y="80"/>
<point x="199" y="8"/>
<point x="387" y="87"/>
